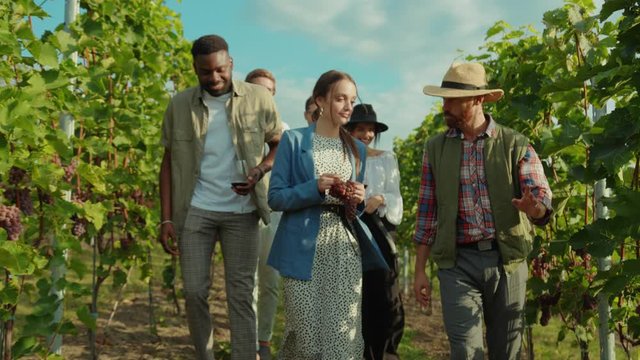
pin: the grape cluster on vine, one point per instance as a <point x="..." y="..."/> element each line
<point x="138" y="196"/>
<point x="344" y="191"/>
<point x="546" y="301"/>
<point x="70" y="170"/>
<point x="45" y="197"/>
<point x="540" y="265"/>
<point x="21" y="197"/>
<point x="18" y="193"/>
<point x="126" y="241"/>
<point x="10" y="221"/>
<point x="81" y="195"/>
<point x="17" y="175"/>
<point x="585" y="263"/>
<point x="589" y="302"/>
<point x="79" y="226"/>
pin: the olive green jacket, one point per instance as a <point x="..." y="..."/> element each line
<point x="253" y="121"/>
<point x="502" y="153"/>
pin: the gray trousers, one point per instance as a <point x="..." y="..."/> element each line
<point x="266" y="294"/>
<point x="238" y="236"/>
<point x="477" y="289"/>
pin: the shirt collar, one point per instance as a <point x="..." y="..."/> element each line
<point x="236" y="88"/>
<point x="490" y="131"/>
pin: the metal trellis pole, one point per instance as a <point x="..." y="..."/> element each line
<point x="58" y="271"/>
<point x="605" y="334"/>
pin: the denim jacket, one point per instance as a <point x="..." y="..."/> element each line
<point x="294" y="190"/>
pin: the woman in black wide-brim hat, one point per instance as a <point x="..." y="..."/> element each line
<point x="382" y="311"/>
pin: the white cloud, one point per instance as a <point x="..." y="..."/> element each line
<point x="290" y="98"/>
<point x="414" y="40"/>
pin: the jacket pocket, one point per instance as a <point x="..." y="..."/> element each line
<point x="251" y="134"/>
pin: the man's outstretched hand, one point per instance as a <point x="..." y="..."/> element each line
<point x="529" y="204"/>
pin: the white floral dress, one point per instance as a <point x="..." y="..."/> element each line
<point x="323" y="315"/>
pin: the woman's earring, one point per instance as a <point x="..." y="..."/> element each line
<point x="320" y="113"/>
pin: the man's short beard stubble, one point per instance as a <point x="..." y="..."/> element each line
<point x="208" y="87"/>
<point x="452" y="121"/>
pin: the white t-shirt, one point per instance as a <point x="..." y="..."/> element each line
<point x="218" y="166"/>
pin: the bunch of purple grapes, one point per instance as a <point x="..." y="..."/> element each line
<point x="44" y="197"/>
<point x="20" y="197"/>
<point x="344" y="191"/>
<point x="540" y="266"/>
<point x="589" y="302"/>
<point x="70" y="170"/>
<point x="18" y="193"/>
<point x="546" y="301"/>
<point x="79" y="226"/>
<point x="16" y="175"/>
<point x="585" y="263"/>
<point x="81" y="195"/>
<point x="138" y="196"/>
<point x="126" y="241"/>
<point x="10" y="221"/>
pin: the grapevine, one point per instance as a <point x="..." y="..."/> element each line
<point x="116" y="94"/>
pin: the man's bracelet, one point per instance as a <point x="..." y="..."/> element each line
<point x="166" y="222"/>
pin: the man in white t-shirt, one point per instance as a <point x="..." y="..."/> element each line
<point x="214" y="136"/>
<point x="266" y="293"/>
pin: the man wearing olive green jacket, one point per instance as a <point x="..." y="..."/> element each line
<point x="214" y="137"/>
<point x="482" y="186"/>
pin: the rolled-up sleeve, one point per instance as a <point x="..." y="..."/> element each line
<point x="531" y="174"/>
<point x="392" y="207"/>
<point x="167" y="126"/>
<point x="426" y="218"/>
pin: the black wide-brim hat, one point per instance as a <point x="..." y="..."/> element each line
<point x="364" y="113"/>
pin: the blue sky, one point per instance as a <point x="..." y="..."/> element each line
<point x="391" y="48"/>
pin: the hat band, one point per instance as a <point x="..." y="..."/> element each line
<point x="371" y="118"/>
<point x="461" y="86"/>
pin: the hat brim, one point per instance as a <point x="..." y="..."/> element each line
<point x="381" y="127"/>
<point x="490" y="95"/>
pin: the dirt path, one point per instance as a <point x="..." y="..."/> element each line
<point x="129" y="337"/>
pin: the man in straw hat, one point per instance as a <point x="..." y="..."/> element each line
<point x="482" y="186"/>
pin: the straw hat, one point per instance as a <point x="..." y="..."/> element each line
<point x="364" y="113"/>
<point x="462" y="80"/>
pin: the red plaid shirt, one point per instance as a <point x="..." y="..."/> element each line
<point x="475" y="220"/>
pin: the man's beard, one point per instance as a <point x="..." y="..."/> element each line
<point x="208" y="87"/>
<point x="452" y="121"/>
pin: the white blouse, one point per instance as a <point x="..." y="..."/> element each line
<point x="382" y="177"/>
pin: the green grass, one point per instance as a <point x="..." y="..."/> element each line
<point x="546" y="345"/>
<point x="407" y="351"/>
